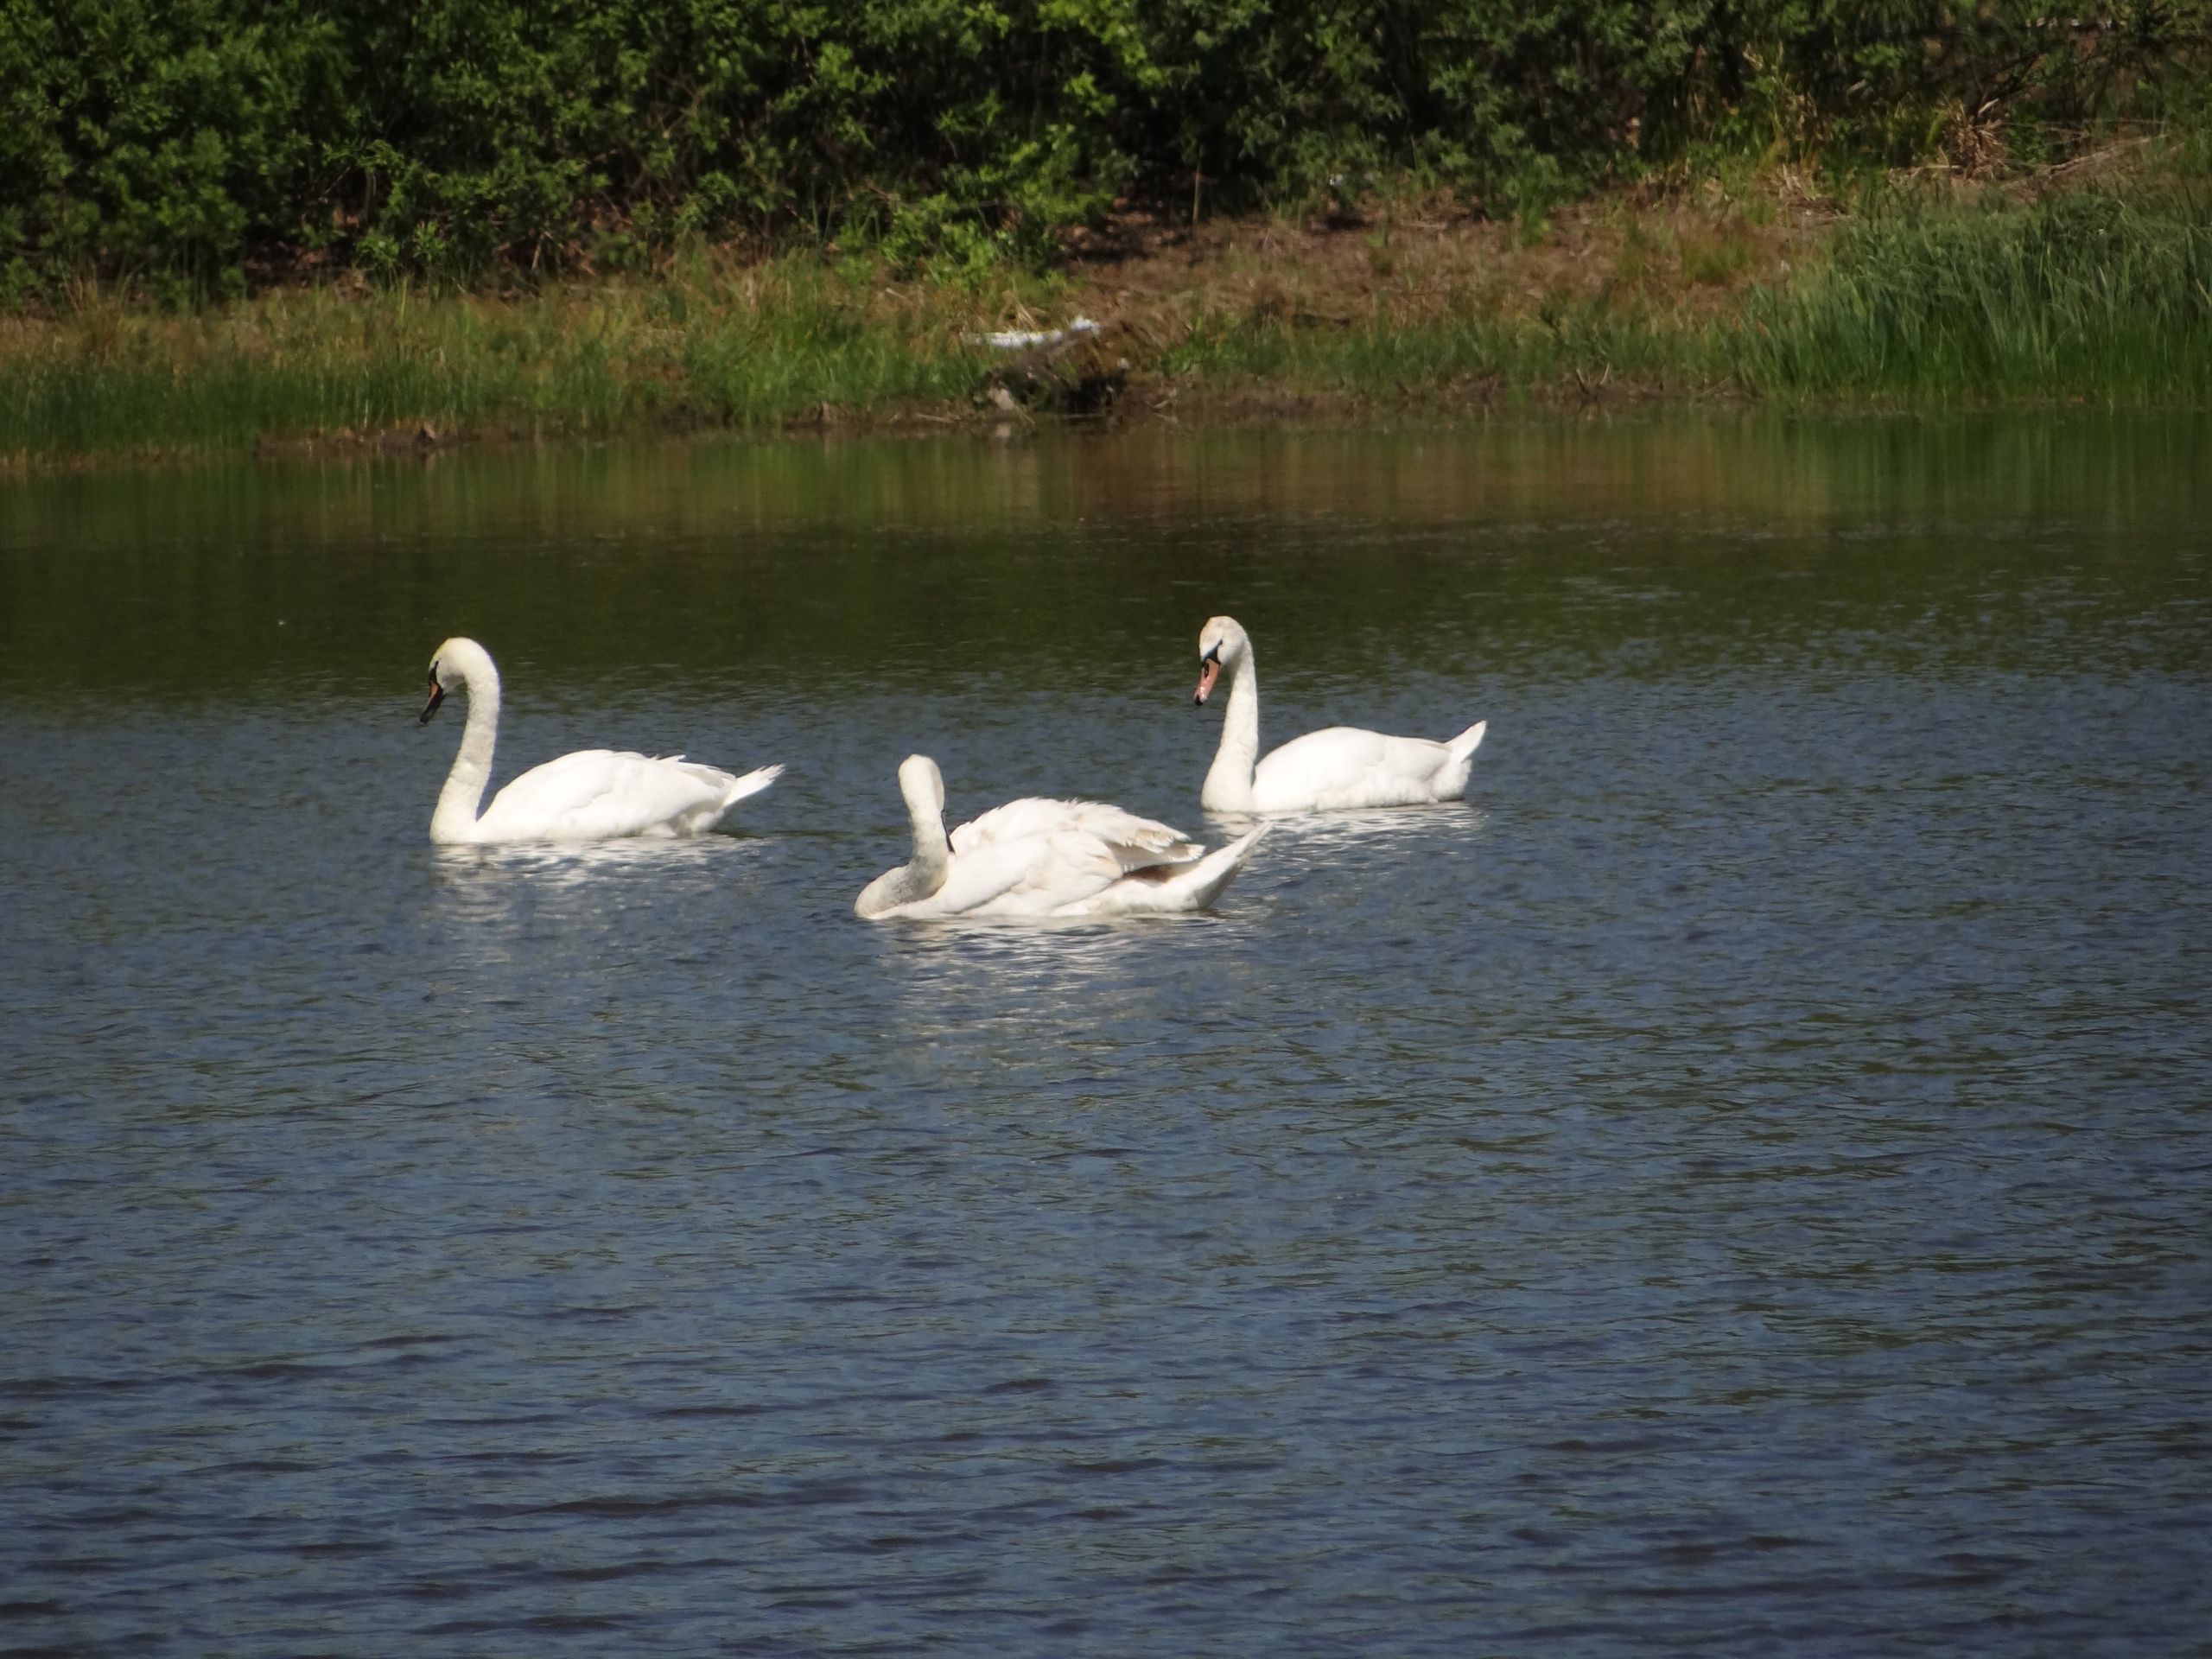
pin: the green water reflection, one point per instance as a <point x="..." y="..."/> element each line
<point x="1507" y="547"/>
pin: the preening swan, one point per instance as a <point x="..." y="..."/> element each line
<point x="1340" y="766"/>
<point x="1044" y="858"/>
<point x="592" y="795"/>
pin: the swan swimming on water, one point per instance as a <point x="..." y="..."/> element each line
<point x="592" y="795"/>
<point x="1340" y="766"/>
<point x="1044" y="858"/>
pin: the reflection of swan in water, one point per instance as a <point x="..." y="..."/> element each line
<point x="592" y="795"/>
<point x="550" y="865"/>
<point x="1044" y="858"/>
<point x="596" y="894"/>
<point x="1341" y="766"/>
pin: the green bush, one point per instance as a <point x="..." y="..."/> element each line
<point x="175" y="143"/>
<point x="155" y="141"/>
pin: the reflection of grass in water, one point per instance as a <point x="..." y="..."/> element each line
<point x="713" y="346"/>
<point x="2084" y="294"/>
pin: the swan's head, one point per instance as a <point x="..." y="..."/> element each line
<point x="923" y="785"/>
<point x="1222" y="643"/>
<point x="450" y="666"/>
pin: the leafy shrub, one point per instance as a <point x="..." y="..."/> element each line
<point x="174" y="143"/>
<point x="154" y="140"/>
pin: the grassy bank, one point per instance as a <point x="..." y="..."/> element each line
<point x="710" y="345"/>
<point x="1761" y="292"/>
<point x="2082" y="295"/>
<point x="1919" y="297"/>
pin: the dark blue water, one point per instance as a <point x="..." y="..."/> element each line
<point x="1738" y="1184"/>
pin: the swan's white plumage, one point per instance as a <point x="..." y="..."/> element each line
<point x="1025" y="875"/>
<point x="1044" y="858"/>
<point x="1136" y="842"/>
<point x="1345" y="767"/>
<point x="592" y="795"/>
<point x="605" y="794"/>
<point x="1342" y="767"/>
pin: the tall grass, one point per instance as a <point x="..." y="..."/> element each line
<point x="2087" y="294"/>
<point x="734" y="347"/>
<point x="1585" y="349"/>
<point x="2082" y="295"/>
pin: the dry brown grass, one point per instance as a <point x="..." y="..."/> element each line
<point x="1679" y="255"/>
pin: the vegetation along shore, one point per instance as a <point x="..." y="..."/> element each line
<point x="225" y="227"/>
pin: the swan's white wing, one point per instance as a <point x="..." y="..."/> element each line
<point x="977" y="878"/>
<point x="1136" y="842"/>
<point x="1015" y="821"/>
<point x="602" y="794"/>
<point x="1033" y="876"/>
<point x="1170" y="888"/>
<point x="1071" y="866"/>
<point x="1343" y="766"/>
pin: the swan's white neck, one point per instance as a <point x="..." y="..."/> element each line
<point x="455" y="818"/>
<point x="932" y="861"/>
<point x="1229" y="781"/>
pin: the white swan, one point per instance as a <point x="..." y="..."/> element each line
<point x="592" y="795"/>
<point x="1044" y="858"/>
<point x="1340" y="766"/>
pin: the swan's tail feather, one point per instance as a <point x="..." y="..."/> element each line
<point x="751" y="784"/>
<point x="1210" y="877"/>
<point x="1450" y="781"/>
<point x="1186" y="887"/>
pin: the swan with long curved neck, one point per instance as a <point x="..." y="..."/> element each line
<point x="1032" y="858"/>
<point x="1340" y="766"/>
<point x="592" y="795"/>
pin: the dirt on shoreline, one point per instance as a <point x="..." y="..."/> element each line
<point x="1415" y="260"/>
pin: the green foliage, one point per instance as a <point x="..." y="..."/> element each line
<point x="1565" y="349"/>
<point x="1719" y="257"/>
<point x="153" y="140"/>
<point x="708" y="346"/>
<point x="175" y="143"/>
<point x="2081" y="294"/>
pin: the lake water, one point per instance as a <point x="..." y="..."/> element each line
<point x="1737" y="1184"/>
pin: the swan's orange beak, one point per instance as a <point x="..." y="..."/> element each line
<point x="437" y="696"/>
<point x="1207" y="674"/>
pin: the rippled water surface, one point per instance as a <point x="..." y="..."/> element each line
<point x="1739" y="1183"/>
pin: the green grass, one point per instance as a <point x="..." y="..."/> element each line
<point x="2085" y="296"/>
<point x="741" y="348"/>
<point x="1577" y="350"/>
<point x="2081" y="295"/>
